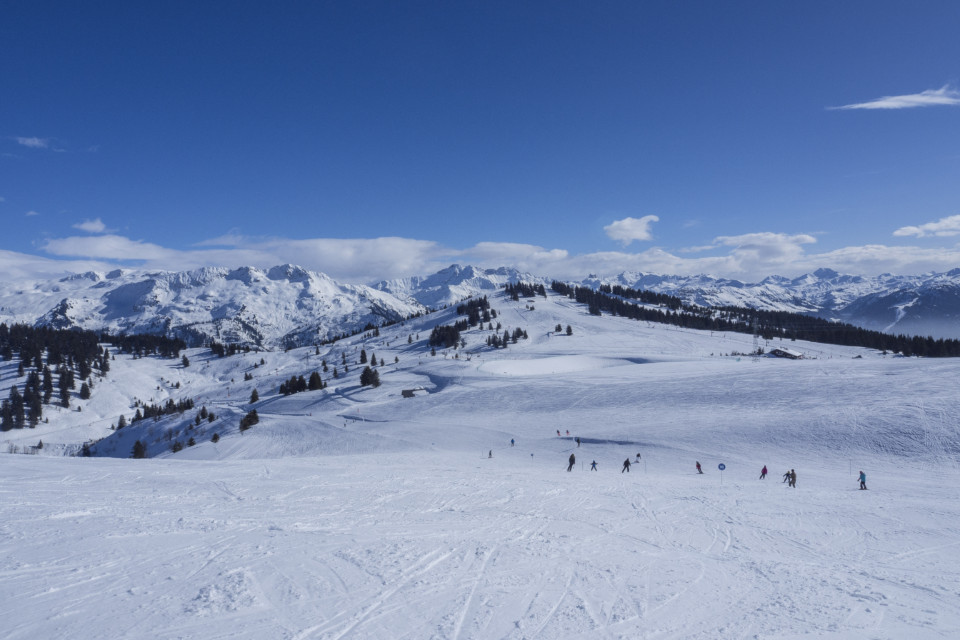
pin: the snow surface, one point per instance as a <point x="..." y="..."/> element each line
<point x="356" y="513"/>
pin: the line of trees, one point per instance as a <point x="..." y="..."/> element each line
<point x="299" y="384"/>
<point x="767" y="324"/>
<point x="515" y="291"/>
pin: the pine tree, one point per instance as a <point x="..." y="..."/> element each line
<point x="84" y="391"/>
<point x="254" y="397"/>
<point x="369" y="377"/>
<point x="363" y="356"/>
<point x="47" y="385"/>
<point x="185" y="361"/>
<point x="6" y="416"/>
<point x="249" y="420"/>
<point x="139" y="450"/>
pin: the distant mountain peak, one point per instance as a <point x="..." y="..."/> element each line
<point x="826" y="274"/>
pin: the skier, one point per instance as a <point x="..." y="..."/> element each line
<point x="578" y="440"/>
<point x="763" y="473"/>
<point x="568" y="431"/>
<point x="511" y="442"/>
<point x="638" y="458"/>
<point x="863" y="480"/>
<point x="626" y="466"/>
<point x="490" y="455"/>
<point x="793" y="479"/>
<point x="699" y="470"/>
<point x="786" y="477"/>
<point x="593" y="466"/>
<point x="573" y="460"/>
<point x="558" y="433"/>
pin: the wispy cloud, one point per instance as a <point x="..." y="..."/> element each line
<point x="91" y="226"/>
<point x="944" y="227"/>
<point x="111" y="247"/>
<point x="31" y="213"/>
<point x="629" y="229"/>
<point x="931" y="97"/>
<point x="33" y="142"/>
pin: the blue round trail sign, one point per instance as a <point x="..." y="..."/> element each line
<point x="722" y="466"/>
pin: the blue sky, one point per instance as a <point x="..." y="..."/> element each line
<point x="374" y="140"/>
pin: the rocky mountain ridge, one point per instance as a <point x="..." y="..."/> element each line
<point x="287" y="305"/>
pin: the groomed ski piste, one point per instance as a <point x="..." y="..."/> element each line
<point x="355" y="512"/>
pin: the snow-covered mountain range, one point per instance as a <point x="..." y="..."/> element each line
<point x="288" y="306"/>
<point x="912" y="305"/>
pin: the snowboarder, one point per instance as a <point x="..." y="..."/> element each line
<point x="578" y="440"/>
<point x="593" y="466"/>
<point x="793" y="479"/>
<point x="573" y="460"/>
<point x="626" y="466"/>
<point x="863" y="480"/>
<point x="763" y="473"/>
<point x="699" y="470"/>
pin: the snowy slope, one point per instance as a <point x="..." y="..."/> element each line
<point x="356" y="513"/>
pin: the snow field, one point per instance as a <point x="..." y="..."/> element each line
<point x="350" y="546"/>
<point x="356" y="513"/>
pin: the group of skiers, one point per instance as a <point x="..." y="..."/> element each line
<point x="572" y="460"/>
<point x="789" y="477"/>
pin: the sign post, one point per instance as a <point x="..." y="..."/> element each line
<point x="721" y="466"/>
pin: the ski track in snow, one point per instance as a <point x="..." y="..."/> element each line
<point x="352" y="513"/>
<point x="493" y="550"/>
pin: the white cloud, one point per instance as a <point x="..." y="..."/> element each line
<point x="33" y="143"/>
<point x="31" y="213"/>
<point x="111" y="247"/>
<point x="2" y="199"/>
<point x="91" y="226"/>
<point x="949" y="226"/>
<point x="22" y="267"/>
<point x="629" y="229"/>
<point x="748" y="257"/>
<point x="931" y="97"/>
<point x="768" y="248"/>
